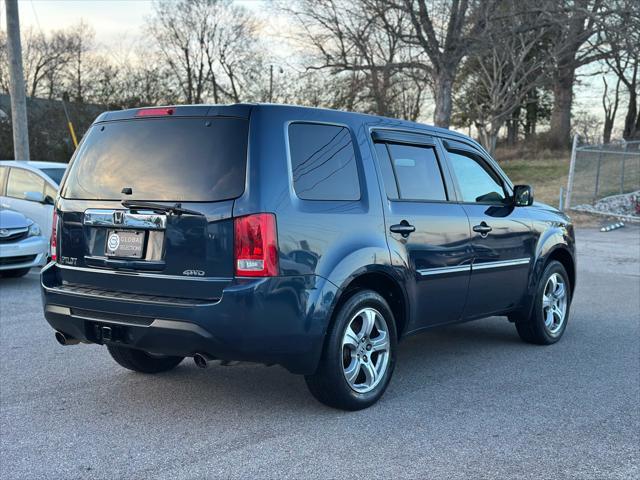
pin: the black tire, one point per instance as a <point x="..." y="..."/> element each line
<point x="19" y="272"/>
<point x="329" y="384"/>
<point x="533" y="329"/>
<point x="142" y="362"/>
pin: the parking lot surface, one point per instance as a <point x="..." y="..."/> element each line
<point x="466" y="401"/>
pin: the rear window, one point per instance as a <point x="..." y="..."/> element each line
<point x="161" y="159"/>
<point x="54" y="174"/>
<point x="323" y="162"/>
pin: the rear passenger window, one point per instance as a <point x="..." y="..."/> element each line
<point x="388" y="177"/>
<point x="323" y="162"/>
<point x="417" y="173"/>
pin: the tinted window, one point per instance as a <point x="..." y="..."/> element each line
<point x="388" y="176"/>
<point x="170" y="159"/>
<point x="3" y="177"/>
<point x="477" y="184"/>
<point x="22" y="181"/>
<point x="323" y="162"/>
<point x="54" y="174"/>
<point x="417" y="172"/>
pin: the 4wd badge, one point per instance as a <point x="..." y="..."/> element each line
<point x="193" y="273"/>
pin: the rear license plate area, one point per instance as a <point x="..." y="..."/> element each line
<point x="125" y="243"/>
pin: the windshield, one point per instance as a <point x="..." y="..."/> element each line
<point x="161" y="159"/>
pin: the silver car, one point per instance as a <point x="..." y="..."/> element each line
<point x="31" y="188"/>
<point x="22" y="245"/>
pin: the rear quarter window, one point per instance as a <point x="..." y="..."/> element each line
<point x="323" y="162"/>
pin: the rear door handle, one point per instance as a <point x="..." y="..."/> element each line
<point x="404" y="228"/>
<point x="483" y="229"/>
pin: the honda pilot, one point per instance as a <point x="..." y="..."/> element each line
<point x="309" y="238"/>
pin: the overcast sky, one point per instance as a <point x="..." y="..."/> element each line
<point x="117" y="22"/>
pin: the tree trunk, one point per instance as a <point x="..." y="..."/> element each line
<point x="560" y="131"/>
<point x="488" y="137"/>
<point x="632" y="119"/>
<point x="606" y="131"/>
<point x="216" y="99"/>
<point x="512" y="127"/>
<point x="531" y="116"/>
<point x="443" y="98"/>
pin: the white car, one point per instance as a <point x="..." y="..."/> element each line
<point x="22" y="245"/>
<point x="31" y="188"/>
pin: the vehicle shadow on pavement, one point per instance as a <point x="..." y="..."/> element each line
<point x="243" y="388"/>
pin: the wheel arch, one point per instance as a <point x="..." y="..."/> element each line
<point x="562" y="254"/>
<point x="382" y="280"/>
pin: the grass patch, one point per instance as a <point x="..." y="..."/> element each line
<point x="546" y="171"/>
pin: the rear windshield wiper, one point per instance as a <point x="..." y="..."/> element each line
<point x="175" y="209"/>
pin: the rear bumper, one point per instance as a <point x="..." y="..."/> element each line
<point x="278" y="320"/>
<point x="27" y="253"/>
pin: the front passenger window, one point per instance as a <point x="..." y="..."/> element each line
<point x="477" y="184"/>
<point x="22" y="181"/>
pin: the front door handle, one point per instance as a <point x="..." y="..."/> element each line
<point x="403" y="228"/>
<point x="483" y="229"/>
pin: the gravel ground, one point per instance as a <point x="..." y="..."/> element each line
<point x="466" y="401"/>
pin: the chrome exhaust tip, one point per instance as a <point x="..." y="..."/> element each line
<point x="64" y="340"/>
<point x="200" y="360"/>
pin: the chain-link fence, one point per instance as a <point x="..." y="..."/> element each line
<point x="599" y="171"/>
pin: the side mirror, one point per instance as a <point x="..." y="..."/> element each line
<point x="49" y="200"/>
<point x="522" y="195"/>
<point x="34" y="197"/>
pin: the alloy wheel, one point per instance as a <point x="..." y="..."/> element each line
<point x="365" y="350"/>
<point x="554" y="304"/>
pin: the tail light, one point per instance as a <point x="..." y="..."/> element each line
<point x="54" y="236"/>
<point x="255" y="247"/>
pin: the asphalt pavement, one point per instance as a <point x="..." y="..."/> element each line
<point x="466" y="401"/>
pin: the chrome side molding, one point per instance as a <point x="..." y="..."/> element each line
<point x="473" y="267"/>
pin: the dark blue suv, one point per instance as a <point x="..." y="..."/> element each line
<point x="309" y="238"/>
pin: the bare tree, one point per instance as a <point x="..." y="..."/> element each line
<point x="446" y="30"/>
<point x="180" y="30"/>
<point x="44" y="57"/>
<point x="210" y="46"/>
<point x="361" y="41"/>
<point x="610" y="108"/>
<point x="82" y="39"/>
<point x="508" y="65"/>
<point x="233" y="54"/>
<point x="588" y="126"/>
<point x="621" y="49"/>
<point x="575" y="25"/>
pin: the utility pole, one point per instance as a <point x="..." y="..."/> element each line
<point x="16" y="84"/>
